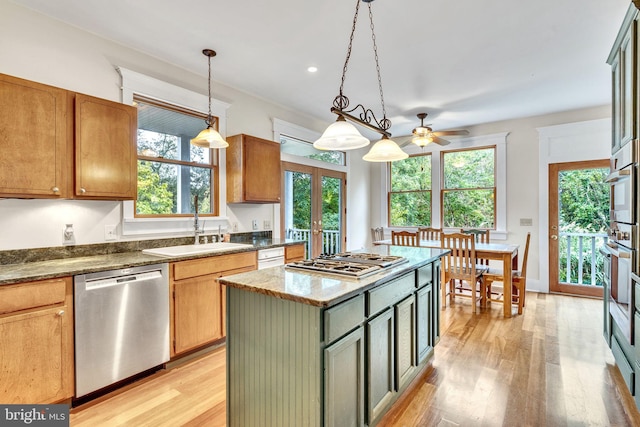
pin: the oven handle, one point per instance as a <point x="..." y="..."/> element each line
<point x="625" y="254"/>
<point x="618" y="175"/>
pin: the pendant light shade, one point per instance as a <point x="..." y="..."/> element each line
<point x="340" y="136"/>
<point x="209" y="137"/>
<point x="385" y="150"/>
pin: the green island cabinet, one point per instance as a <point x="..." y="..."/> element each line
<point x="310" y="350"/>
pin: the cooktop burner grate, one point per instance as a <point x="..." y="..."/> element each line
<point x="348" y="263"/>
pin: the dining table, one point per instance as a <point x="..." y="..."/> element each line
<point x="505" y="252"/>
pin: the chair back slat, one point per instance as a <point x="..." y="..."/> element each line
<point x="460" y="263"/>
<point x="523" y="270"/>
<point x="480" y="236"/>
<point x="428" y="233"/>
<point x="404" y="238"/>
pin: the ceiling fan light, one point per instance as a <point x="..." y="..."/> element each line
<point x="340" y="136"/>
<point x="385" y="150"/>
<point x="209" y="138"/>
<point x="422" y="141"/>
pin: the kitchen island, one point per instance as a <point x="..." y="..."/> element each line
<point x="317" y="349"/>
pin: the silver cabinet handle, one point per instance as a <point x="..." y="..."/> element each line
<point x="60" y="313"/>
<point x="82" y="190"/>
<point x="55" y="189"/>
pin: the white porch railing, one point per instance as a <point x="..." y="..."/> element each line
<point x="580" y="260"/>
<point x="330" y="239"/>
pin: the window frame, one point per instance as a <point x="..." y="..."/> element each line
<point x="443" y="190"/>
<point x="499" y="140"/>
<point x="430" y="191"/>
<point x="212" y="165"/>
<point x="152" y="88"/>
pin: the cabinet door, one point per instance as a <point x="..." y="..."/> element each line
<point x="197" y="319"/>
<point x="344" y="381"/>
<point x="105" y="137"/>
<point x="380" y="374"/>
<point x="627" y="88"/>
<point x="405" y="314"/>
<point x="424" y="338"/>
<point x="36" y="358"/>
<point x="34" y="139"/>
<point x="261" y="170"/>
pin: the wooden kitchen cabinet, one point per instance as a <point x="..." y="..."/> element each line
<point x="105" y="149"/>
<point x="197" y="305"/>
<point x="34" y="139"/>
<point x="61" y="144"/>
<point x="294" y="253"/>
<point x="253" y="170"/>
<point x="36" y="357"/>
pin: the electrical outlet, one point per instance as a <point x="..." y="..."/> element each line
<point x="266" y="224"/>
<point x="110" y="232"/>
<point x="235" y="226"/>
<point x="254" y="224"/>
<point x="68" y="235"/>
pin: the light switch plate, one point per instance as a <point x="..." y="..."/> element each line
<point x="526" y="222"/>
<point x="266" y="224"/>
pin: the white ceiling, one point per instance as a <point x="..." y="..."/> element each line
<point x="463" y="63"/>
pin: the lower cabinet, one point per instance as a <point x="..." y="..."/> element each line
<point x="198" y="303"/>
<point x="381" y="363"/>
<point x="425" y="339"/>
<point x="36" y="357"/>
<point x="344" y="381"/>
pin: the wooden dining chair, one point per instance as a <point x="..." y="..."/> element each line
<point x="428" y="233"/>
<point x="518" y="280"/>
<point x="460" y="264"/>
<point x="377" y="234"/>
<point x="404" y="238"/>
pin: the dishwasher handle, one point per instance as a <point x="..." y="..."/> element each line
<point x="122" y="280"/>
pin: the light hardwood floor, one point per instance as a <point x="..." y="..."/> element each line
<point x="547" y="367"/>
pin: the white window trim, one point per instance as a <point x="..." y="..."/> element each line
<point x="140" y="84"/>
<point x="499" y="140"/>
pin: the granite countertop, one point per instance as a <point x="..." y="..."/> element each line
<point x="324" y="290"/>
<point x="74" y="265"/>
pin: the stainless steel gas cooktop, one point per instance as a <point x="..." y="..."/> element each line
<point x="352" y="264"/>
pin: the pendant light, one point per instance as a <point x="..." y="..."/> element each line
<point x="342" y="135"/>
<point x="209" y="137"/>
<point x="385" y="150"/>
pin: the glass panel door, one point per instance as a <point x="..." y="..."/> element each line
<point x="578" y="224"/>
<point x="313" y="207"/>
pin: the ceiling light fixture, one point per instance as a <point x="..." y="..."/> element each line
<point x="422" y="135"/>
<point x="342" y="135"/>
<point x="209" y="137"/>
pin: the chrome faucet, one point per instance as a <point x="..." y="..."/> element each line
<point x="196" y="227"/>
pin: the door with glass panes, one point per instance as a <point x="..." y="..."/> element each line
<point x="313" y="207"/>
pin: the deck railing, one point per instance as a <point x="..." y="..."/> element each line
<point x="330" y="239"/>
<point x="581" y="263"/>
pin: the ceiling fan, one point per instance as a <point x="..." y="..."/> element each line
<point x="423" y="134"/>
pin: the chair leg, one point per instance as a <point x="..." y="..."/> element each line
<point x="487" y="290"/>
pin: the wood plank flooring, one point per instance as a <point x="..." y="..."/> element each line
<point x="547" y="367"/>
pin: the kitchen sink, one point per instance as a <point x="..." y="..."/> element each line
<point x="171" y="251"/>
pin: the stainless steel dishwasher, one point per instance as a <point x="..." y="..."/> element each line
<point x="121" y="324"/>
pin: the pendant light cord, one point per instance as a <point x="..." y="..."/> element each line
<point x="343" y="101"/>
<point x="375" y="52"/>
<point x="209" y="117"/>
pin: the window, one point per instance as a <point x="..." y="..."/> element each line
<point x="171" y="171"/>
<point x="468" y="188"/>
<point x="410" y="195"/>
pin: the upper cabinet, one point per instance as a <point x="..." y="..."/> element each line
<point x="105" y="149"/>
<point x="625" y="86"/>
<point x="253" y="170"/>
<point x="60" y="144"/>
<point x="34" y="139"/>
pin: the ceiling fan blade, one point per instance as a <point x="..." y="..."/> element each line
<point x="440" y="141"/>
<point x="402" y="141"/>
<point x="452" y="132"/>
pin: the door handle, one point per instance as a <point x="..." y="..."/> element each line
<point x="554" y="237"/>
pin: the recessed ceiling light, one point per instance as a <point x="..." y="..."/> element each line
<point x="312" y="69"/>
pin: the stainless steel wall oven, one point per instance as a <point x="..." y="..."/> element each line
<point x="623" y="236"/>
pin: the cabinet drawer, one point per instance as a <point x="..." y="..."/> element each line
<point x="294" y="252"/>
<point x="211" y="265"/>
<point x="342" y="318"/>
<point x="390" y="293"/>
<point x="425" y="275"/>
<point x="33" y="294"/>
<point x="623" y="364"/>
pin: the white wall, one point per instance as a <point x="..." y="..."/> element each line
<point x="41" y="49"/>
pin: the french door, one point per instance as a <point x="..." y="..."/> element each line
<point x="578" y="223"/>
<point x="313" y="207"/>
